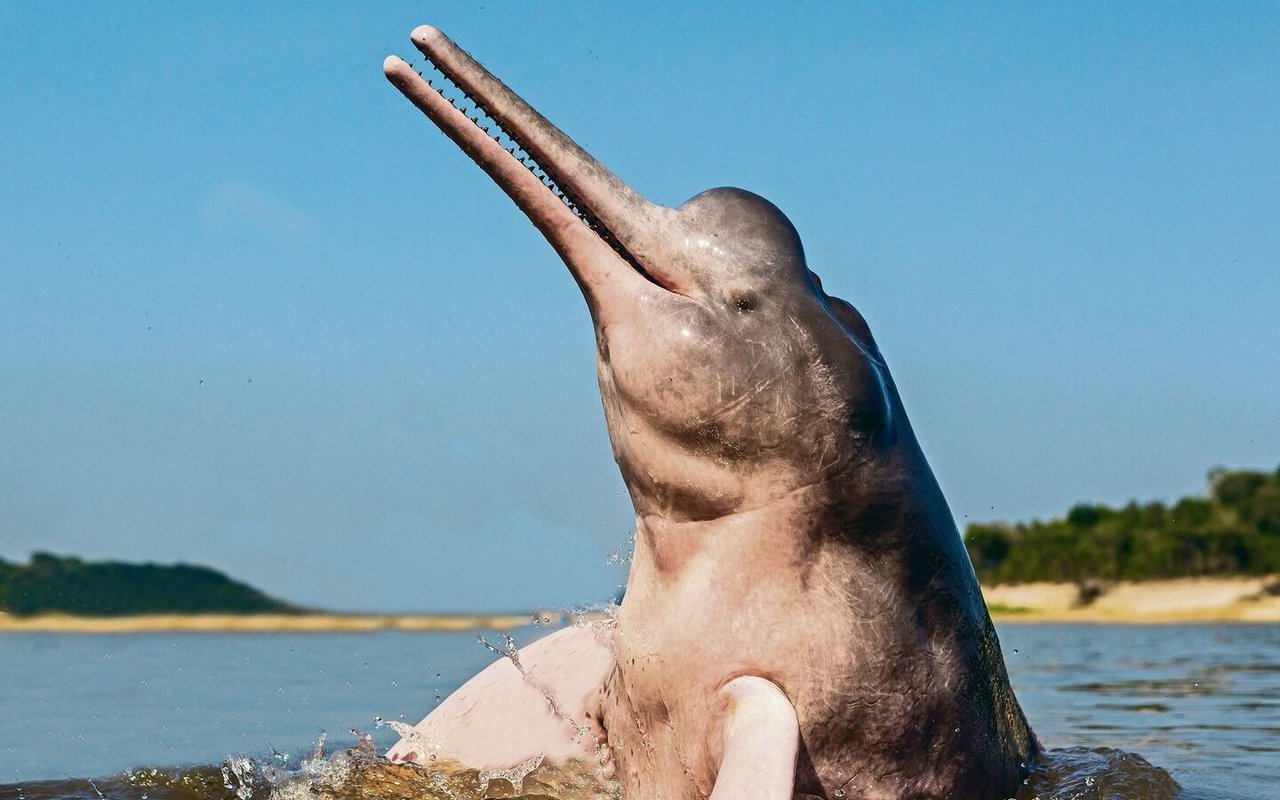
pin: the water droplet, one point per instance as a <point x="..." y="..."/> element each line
<point x="839" y="793"/>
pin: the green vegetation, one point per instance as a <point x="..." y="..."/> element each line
<point x="1006" y="609"/>
<point x="1236" y="530"/>
<point x="53" y="584"/>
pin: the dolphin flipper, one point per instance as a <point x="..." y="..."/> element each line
<point x="759" y="742"/>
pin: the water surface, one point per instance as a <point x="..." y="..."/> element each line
<point x="1201" y="701"/>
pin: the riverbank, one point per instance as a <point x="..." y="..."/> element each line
<point x="1154" y="602"/>
<point x="260" y="623"/>
<point x="1184" y="600"/>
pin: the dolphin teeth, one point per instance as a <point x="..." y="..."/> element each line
<point x="480" y="116"/>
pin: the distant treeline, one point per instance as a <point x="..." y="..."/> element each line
<point x="1235" y="530"/>
<point x="53" y="584"/>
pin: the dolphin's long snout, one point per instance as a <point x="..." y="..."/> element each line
<point x="620" y="219"/>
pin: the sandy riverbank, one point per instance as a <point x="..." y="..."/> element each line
<point x="1189" y="600"/>
<point x="1186" y="600"/>
<point x="263" y="623"/>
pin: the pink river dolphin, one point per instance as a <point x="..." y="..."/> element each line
<point x="801" y="616"/>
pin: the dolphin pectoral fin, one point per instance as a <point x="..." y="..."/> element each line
<point x="760" y="740"/>
<point x="538" y="705"/>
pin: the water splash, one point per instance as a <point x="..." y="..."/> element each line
<point x="423" y="751"/>
<point x="237" y="776"/>
<point x="439" y="781"/>
<point x="357" y="773"/>
<point x="515" y="775"/>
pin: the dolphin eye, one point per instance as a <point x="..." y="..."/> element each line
<point x="744" y="304"/>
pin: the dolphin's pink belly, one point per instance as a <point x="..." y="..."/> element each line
<point x="679" y="642"/>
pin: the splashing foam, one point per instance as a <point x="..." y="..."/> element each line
<point x="359" y="773"/>
<point x="237" y="776"/>
<point x="515" y="775"/>
<point x="423" y="751"/>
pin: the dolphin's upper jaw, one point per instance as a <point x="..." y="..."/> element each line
<point x="591" y="218"/>
<point x="475" y="112"/>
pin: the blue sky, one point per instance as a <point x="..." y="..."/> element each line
<point x="255" y="312"/>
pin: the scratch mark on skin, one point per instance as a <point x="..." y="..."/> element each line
<point x="512" y="654"/>
<point x="739" y="401"/>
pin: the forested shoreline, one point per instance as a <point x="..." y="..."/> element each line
<point x="50" y="584"/>
<point x="1234" y="530"/>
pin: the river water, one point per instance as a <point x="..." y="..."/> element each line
<point x="1200" y="701"/>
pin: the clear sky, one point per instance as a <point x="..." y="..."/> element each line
<point x="257" y="313"/>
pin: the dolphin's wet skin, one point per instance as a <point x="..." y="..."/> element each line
<point x="800" y="614"/>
